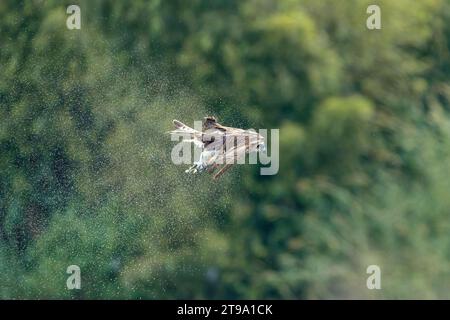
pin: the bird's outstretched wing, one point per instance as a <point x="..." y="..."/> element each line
<point x="246" y="141"/>
<point x="189" y="134"/>
<point x="222" y="171"/>
<point x="220" y="145"/>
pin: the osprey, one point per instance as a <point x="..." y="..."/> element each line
<point x="220" y="145"/>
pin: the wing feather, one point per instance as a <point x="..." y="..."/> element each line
<point x="188" y="134"/>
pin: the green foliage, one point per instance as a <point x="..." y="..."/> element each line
<point x="85" y="170"/>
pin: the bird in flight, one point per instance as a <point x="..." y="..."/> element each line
<point x="219" y="145"/>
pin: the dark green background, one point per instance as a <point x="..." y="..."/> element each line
<point x="85" y="170"/>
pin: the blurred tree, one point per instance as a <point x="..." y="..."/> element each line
<point x="86" y="179"/>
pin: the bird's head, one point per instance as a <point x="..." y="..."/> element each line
<point x="261" y="146"/>
<point x="209" y="119"/>
<point x="209" y="122"/>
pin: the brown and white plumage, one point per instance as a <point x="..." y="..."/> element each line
<point x="215" y="141"/>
